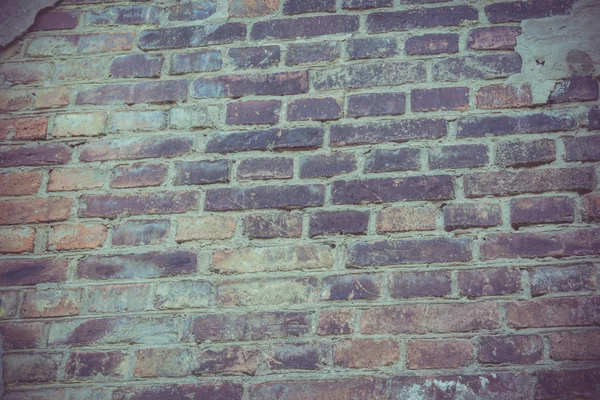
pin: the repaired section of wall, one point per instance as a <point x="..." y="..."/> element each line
<point x="18" y="16"/>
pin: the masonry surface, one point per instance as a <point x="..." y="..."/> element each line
<point x="299" y="199"/>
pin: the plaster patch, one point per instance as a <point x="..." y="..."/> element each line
<point x="18" y="16"/>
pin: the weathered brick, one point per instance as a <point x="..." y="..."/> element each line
<point x="136" y="148"/>
<point x="190" y="118"/>
<point x="144" y="265"/>
<point x="591" y="207"/>
<point x="339" y="222"/>
<point x="471" y="215"/>
<point x="365" y="4"/>
<point x="420" y="284"/>
<point x="440" y="99"/>
<point x="371" y="47"/>
<point x="503" y="96"/>
<point x="308" y="6"/>
<point x="365" y="388"/>
<point x="70" y="179"/>
<point x="575" y="345"/>
<point x="489" y="282"/>
<point x="327" y="165"/>
<point x="366" y="353"/>
<point x="51" y="303"/>
<point x="204" y="228"/>
<point x="314" y="109"/>
<point x="255" y="292"/>
<point x="281" y="197"/>
<point x="140" y="232"/>
<point x="525" y="153"/>
<point x="191" y="36"/>
<point x="269" y="139"/>
<point x="253" y="112"/>
<point x="594" y="118"/>
<point x="406" y="219"/>
<point x="91" y="43"/>
<point x="138" y="175"/>
<point x="310" y="53"/>
<point x="396" y="131"/>
<point x="422" y="18"/>
<point x="24" y="128"/>
<point x="383" y="73"/>
<point x="278" y="225"/>
<point x="16" y="240"/>
<point x="33" y="211"/>
<point x="21" y="335"/>
<point x="410" y="251"/>
<point x="31" y="368"/>
<point x="513" y="349"/>
<point x="447" y="353"/>
<point x="304" y="27"/>
<point x="265" y="168"/>
<point x="434" y="318"/>
<point x="230" y="360"/>
<point x="69" y="393"/>
<point x="561" y="278"/>
<point x="582" y="148"/>
<point x="351" y="287"/>
<point x="520" y="10"/>
<point x="505" y="183"/>
<point x="8" y="306"/>
<point x="164" y="362"/>
<point x="405" y="159"/>
<point x="52" y="97"/>
<point x="375" y="104"/>
<point x="259" y="259"/>
<point x="136" y="66"/>
<point x="192" y="11"/>
<point x="493" y="38"/>
<point x="458" y="156"/>
<point x="235" y="86"/>
<point x="183" y="294"/>
<point x="202" y="172"/>
<point x="198" y="61"/>
<point x="336" y="322"/>
<point x="498" y="125"/>
<point x="301" y="356"/>
<point x="91" y="68"/>
<point x="477" y="67"/>
<point x="20" y="183"/>
<point x="79" y="124"/>
<point x="113" y="205"/>
<point x="129" y="15"/>
<point x="432" y="43"/>
<point x="133" y="93"/>
<point x="223" y="390"/>
<point x="541" y="210"/>
<point x="77" y="236"/>
<point x="96" y="365"/>
<point x="564" y="384"/>
<point x="254" y="57"/>
<point x="249" y="8"/>
<point x="34" y="155"/>
<point x="32" y="271"/>
<point x="120" y="298"/>
<point x="561" y="311"/>
<point x="54" y="20"/>
<point x="15" y="100"/>
<point x="385" y="190"/>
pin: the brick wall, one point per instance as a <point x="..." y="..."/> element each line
<point x="295" y="200"/>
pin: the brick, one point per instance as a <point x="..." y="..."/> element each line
<point x="35" y="155"/>
<point x="268" y="139"/>
<point x="383" y="73"/>
<point x="110" y="206"/>
<point x="140" y="232"/>
<point x="336" y="322"/>
<point x="31" y="368"/>
<point x="477" y="67"/>
<point x="493" y="38"/>
<point x="130" y="15"/>
<point x="183" y="294"/>
<point x="379" y="22"/>
<point x="161" y="362"/>
<point x="520" y="10"/>
<point x="573" y="384"/>
<point x="202" y="172"/>
<point x="407" y="285"/>
<point x="366" y="353"/>
<point x="434" y="318"/>
<point x="375" y="104"/>
<point x="15" y="100"/>
<point x="406" y="219"/>
<point x="302" y="356"/>
<point x="304" y="27"/>
<point x="248" y="326"/>
<point x="499" y="125"/>
<point x="21" y="335"/>
<point x="235" y="86"/>
<point x="136" y="148"/>
<point x="561" y="278"/>
<point x="224" y="390"/>
<point x="253" y="112"/>
<point x="546" y="313"/>
<point x="16" y="240"/>
<point x="270" y="259"/>
<point x="315" y="109"/>
<point x="327" y="165"/>
<point x="361" y="48"/>
<point x="404" y="159"/>
<point x="80" y="124"/>
<point x="20" y="183"/>
<point x="144" y="265"/>
<point x="57" y="394"/>
<point x="365" y="4"/>
<point x="594" y="118"/>
<point x="428" y="354"/>
<point x="311" y="53"/>
<point x="204" y="228"/>
<point x="52" y="97"/>
<point x="440" y="99"/>
<point x="575" y="345"/>
<point x="120" y="298"/>
<point x="71" y="179"/>
<point x="250" y="198"/>
<point x="92" y="43"/>
<point x="471" y="215"/>
<point x="138" y="175"/>
<point x="278" y="225"/>
<point x="365" y="388"/>
<point x="432" y="43"/>
<point x="257" y="292"/>
<point x="529" y="181"/>
<point x="503" y="96"/>
<point x="384" y="190"/>
<point x="525" y="153"/>
<point x="193" y="11"/>
<point x="191" y="36"/>
<point x="54" y="20"/>
<point x="132" y="93"/>
<point x="33" y="211"/>
<point x="8" y="305"/>
<point x="24" y="128"/>
<point x="77" y="236"/>
<point x="351" y="287"/>
<point x="92" y="68"/>
<point x="248" y="8"/>
<point x="254" y="57"/>
<point x="410" y="251"/>
<point x="51" y="303"/>
<point x="308" y="6"/>
<point x="31" y="272"/>
<point x="265" y="168"/>
<point x="541" y="210"/>
<point x="198" y="61"/>
<point x="136" y="66"/>
<point x="187" y="118"/>
<point x="339" y="222"/>
<point x="458" y="156"/>
<point x="96" y="365"/>
<point x="591" y="207"/>
<point x="513" y="349"/>
<point x="489" y="282"/>
<point x="230" y="360"/>
<point x="395" y="131"/>
<point x="582" y="148"/>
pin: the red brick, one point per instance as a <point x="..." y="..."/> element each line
<point x="96" y="365"/>
<point x="249" y="8"/>
<point x="421" y="18"/>
<point x="15" y="100"/>
<point x="440" y="99"/>
<point x="139" y="175"/>
<point x="458" y="156"/>
<point x="251" y="198"/>
<point x="351" y="287"/>
<point x="364" y="388"/>
<point x="432" y="43"/>
<point x="336" y="322"/>
<point x="304" y="356"/>
<point x="230" y="360"/>
<point x="525" y="153"/>
<point x="235" y="86"/>
<point x="575" y="345"/>
<point x="35" y="155"/>
<point x="427" y="354"/>
<point x="512" y="349"/>
<point x="571" y="384"/>
<point x="404" y="285"/>
<point x="266" y="226"/>
<point x="503" y="96"/>
<point x="493" y="38"/>
<point x="562" y="278"/>
<point x="471" y="215"/>
<point x="16" y="240"/>
<point x="53" y="20"/>
<point x="521" y="10"/>
<point x="20" y="183"/>
<point x="541" y="210"/>
<point x="133" y="93"/>
<point x="191" y="36"/>
<point x="265" y="168"/>
<point x="51" y="303"/>
<point x="113" y="205"/>
<point x="31" y="368"/>
<point x="75" y="237"/>
<point x="338" y="222"/>
<point x="92" y="43"/>
<point x="24" y="128"/>
<point x="499" y="125"/>
<point x="489" y="282"/>
<point x="315" y="109"/>
<point x="202" y="172"/>
<point x="563" y="311"/>
<point x="582" y="148"/>
<point x="13" y="212"/>
<point x="32" y="271"/>
<point x="365" y="353"/>
<point x="396" y="131"/>
<point x="253" y="112"/>
<point x="26" y="72"/>
<point x="216" y="390"/>
<point x="304" y="27"/>
<point x="591" y="207"/>
<point x="71" y="179"/>
<point x="22" y="335"/>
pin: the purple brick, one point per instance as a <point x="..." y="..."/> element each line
<point x="202" y="172"/>
<point x="191" y="36"/>
<point x="380" y="160"/>
<point x="265" y="168"/>
<point x="253" y="112"/>
<point x="198" y="61"/>
<point x="432" y="43"/>
<point x="254" y="57"/>
<point x="371" y="48"/>
<point x="308" y="6"/>
<point x="136" y="66"/>
<point x="317" y="166"/>
<point x="375" y="104"/>
<point x="339" y="222"/>
<point x="322" y="109"/>
<point x="280" y="197"/>
<point x="304" y="27"/>
<point x="421" y="18"/>
<point x="310" y="53"/>
<point x="458" y="156"/>
<point x="270" y="139"/>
